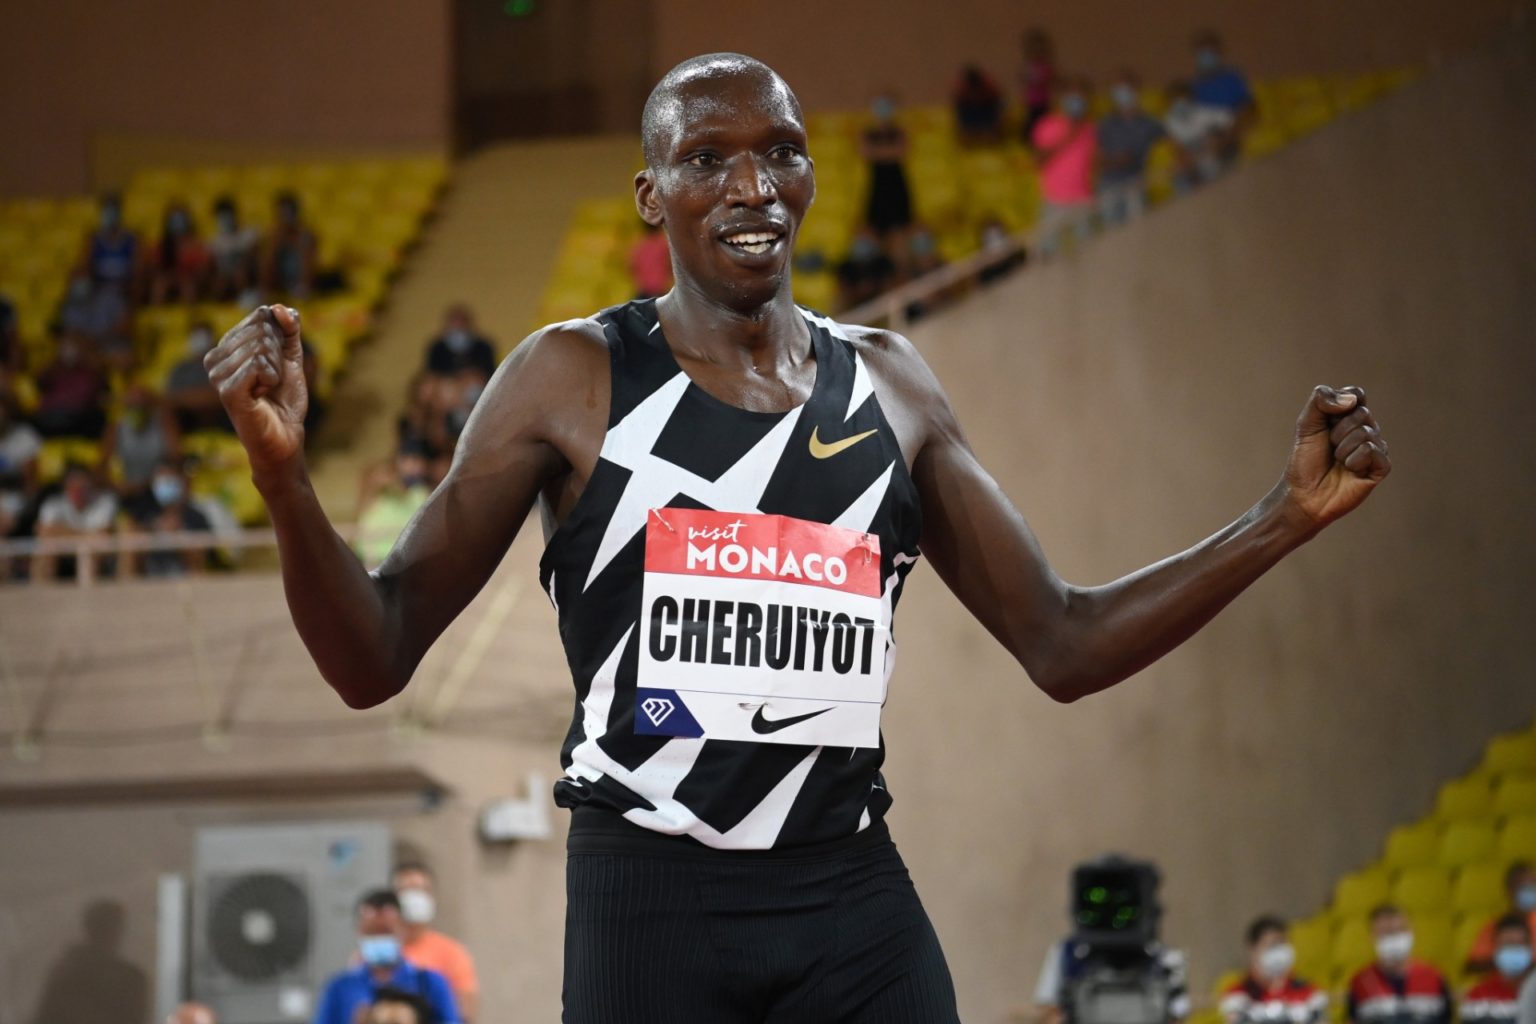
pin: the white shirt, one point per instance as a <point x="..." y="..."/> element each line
<point x="94" y="518"/>
<point x="1192" y="123"/>
<point x="19" y="445"/>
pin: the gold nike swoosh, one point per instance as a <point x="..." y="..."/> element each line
<point x="821" y="450"/>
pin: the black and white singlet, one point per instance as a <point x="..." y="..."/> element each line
<point x="725" y="586"/>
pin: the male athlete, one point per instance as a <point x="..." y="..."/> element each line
<point x="733" y="490"/>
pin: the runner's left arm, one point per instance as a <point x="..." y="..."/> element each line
<point x="1074" y="640"/>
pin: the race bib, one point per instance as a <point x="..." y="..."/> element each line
<point x="760" y="628"/>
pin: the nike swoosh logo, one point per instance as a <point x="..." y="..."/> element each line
<point x="822" y="450"/>
<point x="763" y="726"/>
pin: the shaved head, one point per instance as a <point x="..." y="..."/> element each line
<point x="663" y="110"/>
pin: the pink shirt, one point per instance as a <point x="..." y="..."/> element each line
<point x="650" y="264"/>
<point x="1067" y="176"/>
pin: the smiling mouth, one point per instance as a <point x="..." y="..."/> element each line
<point x="753" y="242"/>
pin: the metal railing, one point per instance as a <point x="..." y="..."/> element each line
<point x="891" y="308"/>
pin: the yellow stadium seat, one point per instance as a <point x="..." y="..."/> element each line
<point x="1515" y="795"/>
<point x="1468" y="928"/>
<point x="1422" y="889"/>
<point x="1353" y="946"/>
<point x="1358" y="893"/>
<point x="1434" y="939"/>
<point x="1511" y="753"/>
<point x="1517" y="839"/>
<point x="1479" y="889"/>
<point x="1467" y="841"/>
<point x="1414" y="845"/>
<point x="1471" y="797"/>
<point x="1313" y="939"/>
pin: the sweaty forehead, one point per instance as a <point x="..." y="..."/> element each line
<point x="738" y="98"/>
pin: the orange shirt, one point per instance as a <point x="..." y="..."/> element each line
<point x="1482" y="946"/>
<point x="447" y="957"/>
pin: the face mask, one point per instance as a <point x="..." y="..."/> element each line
<point x="864" y="249"/>
<point x="883" y="109"/>
<point x="166" y="489"/>
<point x="458" y="339"/>
<point x="199" y="342"/>
<point x="994" y="237"/>
<point x="1125" y="97"/>
<point x="80" y="289"/>
<point x="922" y="245"/>
<point x="1180" y="106"/>
<point x="379" y="950"/>
<point x="1207" y="59"/>
<point x="1394" y="948"/>
<point x="1525" y="897"/>
<point x="176" y="223"/>
<point x="417" y="905"/>
<point x="1276" y="961"/>
<point x="1074" y="106"/>
<point x="110" y="218"/>
<point x="227" y="223"/>
<point x="410" y="483"/>
<point x="1512" y="961"/>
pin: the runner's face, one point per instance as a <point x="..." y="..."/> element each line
<point x="733" y="185"/>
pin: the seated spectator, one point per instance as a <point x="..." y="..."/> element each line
<point x="422" y="426"/>
<point x="168" y="508"/>
<point x="978" y="108"/>
<point x="111" y="257"/>
<point x="1269" y="992"/>
<point x="1496" y="998"/>
<point x="1199" y="134"/>
<point x="650" y="263"/>
<point x="1397" y="988"/>
<point x="188" y="391"/>
<point x="351" y="992"/>
<point x="387" y="500"/>
<point x="100" y="315"/>
<point x="80" y="509"/>
<point x="178" y="262"/>
<point x="19" y="448"/>
<point x="232" y="251"/>
<point x="12" y="356"/>
<point x="427" y="947"/>
<point x="920" y="256"/>
<point x="1520" y="885"/>
<point x="1039" y="80"/>
<point x="392" y="1006"/>
<point x="867" y="271"/>
<point x="996" y="239"/>
<point x="1066" y="147"/>
<point x="460" y="349"/>
<point x="70" y="392"/>
<point x="192" y="1013"/>
<point x="289" y="266"/>
<point x="1219" y="84"/>
<point x="885" y="147"/>
<point x="1126" y="137"/>
<point x="140" y="436"/>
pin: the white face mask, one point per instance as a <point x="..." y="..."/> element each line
<point x="417" y="906"/>
<point x="1395" y="948"/>
<point x="1276" y="961"/>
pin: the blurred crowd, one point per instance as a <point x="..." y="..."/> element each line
<point x="92" y="384"/>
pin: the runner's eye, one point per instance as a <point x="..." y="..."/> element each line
<point x="705" y="159"/>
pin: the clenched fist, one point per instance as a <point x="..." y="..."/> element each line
<point x="1339" y="455"/>
<point x="258" y="369"/>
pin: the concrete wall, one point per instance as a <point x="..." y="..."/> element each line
<point x="281" y="74"/>
<point x="1131" y="398"/>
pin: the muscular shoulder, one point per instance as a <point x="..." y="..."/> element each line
<point x="909" y="393"/>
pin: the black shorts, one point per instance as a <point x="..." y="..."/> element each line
<point x="665" y="931"/>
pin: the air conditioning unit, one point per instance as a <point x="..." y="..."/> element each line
<point x="273" y="914"/>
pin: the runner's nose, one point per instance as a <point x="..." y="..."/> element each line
<point x="750" y="184"/>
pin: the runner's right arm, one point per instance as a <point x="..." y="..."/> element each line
<point x="367" y="631"/>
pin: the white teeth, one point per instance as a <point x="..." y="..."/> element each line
<point x="751" y="238"/>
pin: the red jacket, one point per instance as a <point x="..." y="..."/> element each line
<point x="1418" y="996"/>
<point x="1295" y="1002"/>
<point x="1491" y="1000"/>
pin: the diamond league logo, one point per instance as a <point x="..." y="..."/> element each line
<point x="656" y="709"/>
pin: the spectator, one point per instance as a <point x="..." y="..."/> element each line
<point x="166" y="509"/>
<point x="423" y="426"/>
<point x="996" y="239"/>
<point x="1269" y="991"/>
<point x="650" y="263"/>
<point x="1066" y="147"/>
<point x="1126" y="137"/>
<point x="382" y="966"/>
<point x="11" y="354"/>
<point x="388" y="498"/>
<point x="290" y="263"/>
<point x="192" y="1013"/>
<point x="1198" y="133"/>
<point x="179" y="262"/>
<point x="1218" y="84"/>
<point x="139" y="437"/>
<point x="867" y="271"/>
<point x="426" y="947"/>
<point x="978" y="108"/>
<point x="1496" y="998"/>
<point x="885" y="147"/>
<point x="920" y="255"/>
<point x="101" y="315"/>
<point x="391" y="1006"/>
<point x="1397" y="989"/>
<point x="1520" y="885"/>
<point x="233" y="250"/>
<point x="189" y="392"/>
<point x="111" y="256"/>
<point x="70" y="392"/>
<point x="1039" y="79"/>
<point x="19" y="448"/>
<point x="80" y="509"/>
<point x="461" y="350"/>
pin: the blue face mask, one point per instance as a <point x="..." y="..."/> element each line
<point x="1207" y="59"/>
<point x="167" y="490"/>
<point x="883" y="109"/>
<point x="1074" y="105"/>
<point x="1512" y="961"/>
<point x="1525" y="897"/>
<point x="1125" y="97"/>
<point x="379" y="950"/>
